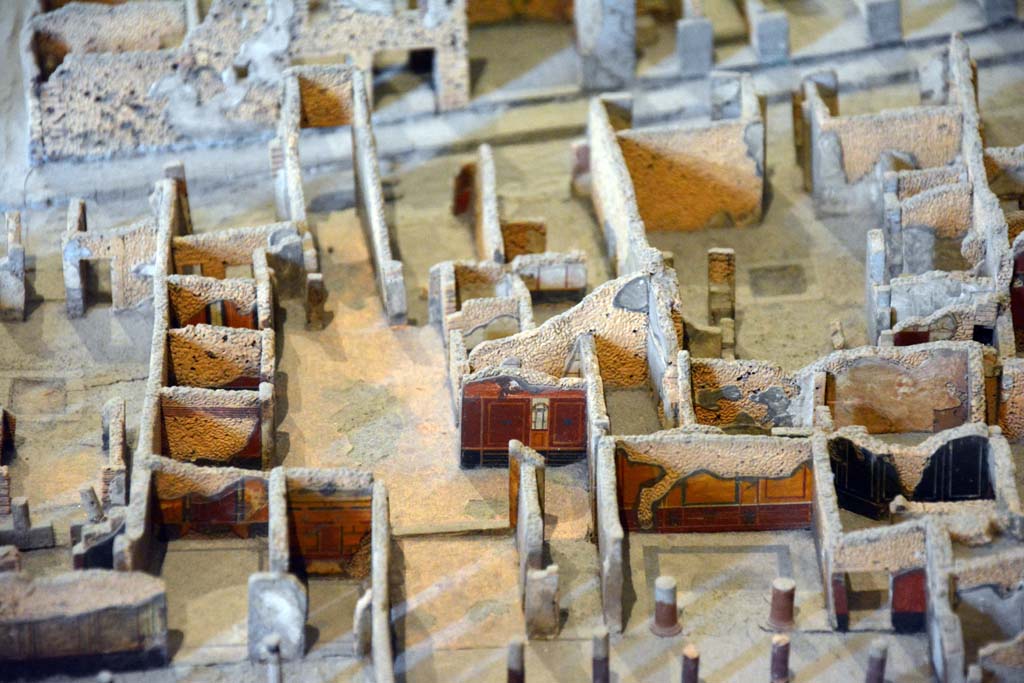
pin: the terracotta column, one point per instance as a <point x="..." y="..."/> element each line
<point x="516" y="664"/>
<point x="666" y="614"/>
<point x="600" y="654"/>
<point x="876" y="661"/>
<point x="783" y="595"/>
<point x="780" y="659"/>
<point x="691" y="664"/>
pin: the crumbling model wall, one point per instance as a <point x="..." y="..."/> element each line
<point x="237" y="302"/>
<point x="538" y="584"/>
<point x="213" y="252"/>
<point x="609" y="535"/>
<point x="381" y="649"/>
<point x="612" y="191"/>
<point x="204" y="500"/>
<point x="952" y="466"/>
<point x="224" y="427"/>
<point x="434" y="25"/>
<point x="370" y="207"/>
<point x="698" y="176"/>
<point x="698" y="481"/>
<point x="505" y="403"/>
<point x="838" y="151"/>
<point x="95" y="28"/>
<point x="128" y="250"/>
<point x="83" y="615"/>
<point x="215" y="357"/>
<point x="615" y="313"/>
<point x="923" y="388"/>
<point x="743" y="395"/>
<point x="224" y="79"/>
<point x="329" y="519"/>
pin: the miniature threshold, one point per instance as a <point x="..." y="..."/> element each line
<point x="703" y="355"/>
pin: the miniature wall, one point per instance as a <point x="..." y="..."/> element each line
<point x="224" y="80"/>
<point x="954" y="465"/>
<point x="285" y="165"/>
<point x="615" y="313"/>
<point x="598" y="422"/>
<point x="696" y="177"/>
<point x="612" y="191"/>
<point x="213" y="252"/>
<point x="664" y="336"/>
<point x="208" y="499"/>
<point x="215" y="426"/>
<point x="476" y="190"/>
<point x="325" y="95"/>
<point x="132" y="27"/>
<point x="329" y="518"/>
<point x="214" y="357"/>
<point x="552" y="272"/>
<point x="959" y="322"/>
<point x="930" y="134"/>
<point x="437" y="26"/>
<point x="898" y="550"/>
<point x="1011" y="399"/>
<point x="699" y="481"/>
<point x="193" y="299"/>
<point x="924" y="388"/>
<point x="1005" y="167"/>
<point x="610" y="536"/>
<point x="46" y="618"/>
<point x="125" y="251"/>
<point x="931" y="227"/>
<point x="370" y="207"/>
<point x="382" y="651"/>
<point x="842" y="150"/>
<point x="504" y="403"/>
<point x="743" y="396"/>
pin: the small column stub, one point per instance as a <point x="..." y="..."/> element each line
<point x="876" y="661"/>
<point x="666" y="615"/>
<point x="780" y="659"/>
<point x="691" y="664"/>
<point x="516" y="663"/>
<point x="780" y="618"/>
<point x="601" y="656"/>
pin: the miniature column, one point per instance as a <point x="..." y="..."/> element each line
<point x="691" y="664"/>
<point x="666" y="615"/>
<point x="876" y="661"/>
<point x="600" y="654"/>
<point x="780" y="659"/>
<point x="516" y="663"/>
<point x="721" y="284"/>
<point x="783" y="593"/>
<point x="91" y="503"/>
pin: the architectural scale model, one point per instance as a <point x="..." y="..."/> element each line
<point x="512" y="340"/>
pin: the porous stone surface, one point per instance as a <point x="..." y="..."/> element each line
<point x="277" y="607"/>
